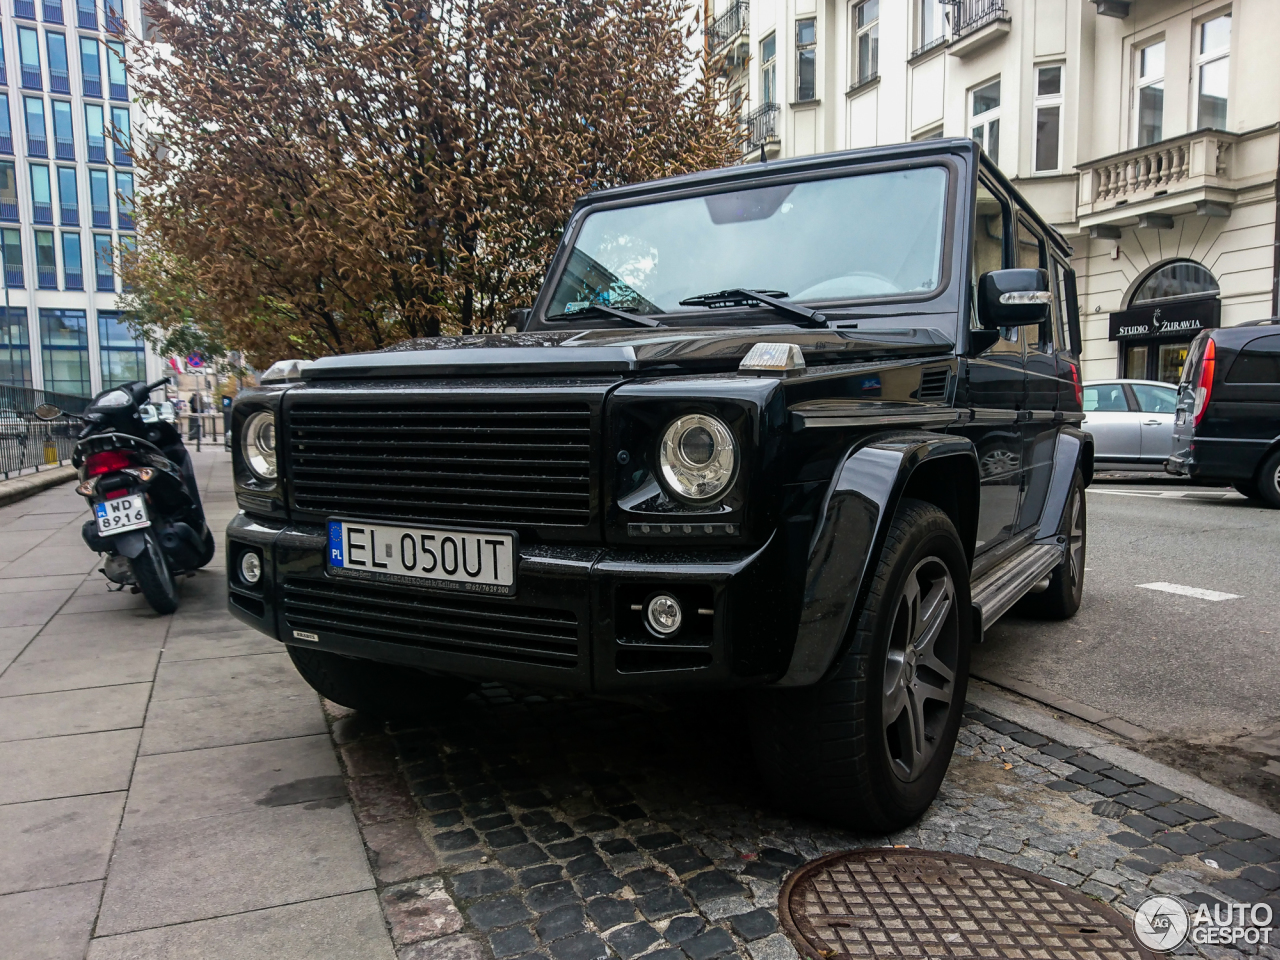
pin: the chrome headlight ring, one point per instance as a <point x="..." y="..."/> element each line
<point x="258" y="444"/>
<point x="697" y="458"/>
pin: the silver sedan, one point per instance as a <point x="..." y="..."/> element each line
<point x="1131" y="421"/>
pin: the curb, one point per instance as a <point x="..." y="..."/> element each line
<point x="1193" y="788"/>
<point x="19" y="488"/>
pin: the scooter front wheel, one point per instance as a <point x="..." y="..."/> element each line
<point x="151" y="571"/>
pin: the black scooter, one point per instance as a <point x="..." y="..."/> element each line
<point x="139" y="480"/>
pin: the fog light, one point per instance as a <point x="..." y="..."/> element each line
<point x="664" y="614"/>
<point x="250" y="567"/>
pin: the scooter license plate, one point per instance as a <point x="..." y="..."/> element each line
<point x="121" y="514"/>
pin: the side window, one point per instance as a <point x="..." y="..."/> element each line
<point x="1105" y="397"/>
<point x="990" y="215"/>
<point x="1031" y="256"/>
<point x="1059" y="277"/>
<point x="1152" y="399"/>
<point x="1258" y="362"/>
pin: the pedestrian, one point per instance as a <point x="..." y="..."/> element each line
<point x="193" y="423"/>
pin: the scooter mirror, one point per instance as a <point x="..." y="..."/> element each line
<point x="148" y="413"/>
<point x="48" y="411"/>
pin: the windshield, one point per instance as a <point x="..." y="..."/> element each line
<point x="872" y="235"/>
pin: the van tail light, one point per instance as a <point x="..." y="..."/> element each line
<point x="1204" y="386"/>
<point x="108" y="461"/>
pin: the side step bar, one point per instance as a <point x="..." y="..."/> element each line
<point x="1004" y="586"/>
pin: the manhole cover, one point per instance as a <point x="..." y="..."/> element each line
<point x="890" y="903"/>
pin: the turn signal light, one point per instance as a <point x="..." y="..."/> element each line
<point x="87" y="488"/>
<point x="1204" y="388"/>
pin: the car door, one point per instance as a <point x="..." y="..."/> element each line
<point x="1157" y="405"/>
<point x="995" y="383"/>
<point x="1039" y="429"/>
<point x="1117" y="436"/>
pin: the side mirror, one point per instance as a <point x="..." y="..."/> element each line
<point x="1013" y="298"/>
<point x="48" y="411"/>
<point x="517" y="319"/>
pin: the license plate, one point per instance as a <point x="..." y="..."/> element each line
<point x="474" y="561"/>
<point x="121" y="514"/>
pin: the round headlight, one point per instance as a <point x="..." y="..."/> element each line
<point x="664" y="615"/>
<point x="250" y="567"/>
<point x="258" y="443"/>
<point x="697" y="457"/>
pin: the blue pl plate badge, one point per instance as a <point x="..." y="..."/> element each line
<point x="335" y="544"/>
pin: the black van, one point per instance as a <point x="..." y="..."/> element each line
<point x="1228" y="422"/>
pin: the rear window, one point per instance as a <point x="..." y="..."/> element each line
<point x="1105" y="397"/>
<point x="1191" y="367"/>
<point x="1258" y="362"/>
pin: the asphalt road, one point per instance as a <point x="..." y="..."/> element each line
<point x="1202" y="676"/>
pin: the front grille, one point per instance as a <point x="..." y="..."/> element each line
<point x="486" y="628"/>
<point x="520" y="463"/>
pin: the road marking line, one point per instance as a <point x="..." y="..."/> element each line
<point x="1189" y="495"/>
<point x="1197" y="592"/>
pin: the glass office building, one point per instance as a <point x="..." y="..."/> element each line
<point x="66" y="195"/>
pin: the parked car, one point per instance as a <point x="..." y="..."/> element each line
<point x="1228" y="422"/>
<point x="803" y="429"/>
<point x="1131" y="422"/>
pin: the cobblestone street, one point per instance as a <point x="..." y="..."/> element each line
<point x="173" y="790"/>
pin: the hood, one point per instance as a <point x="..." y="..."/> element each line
<point x="580" y="352"/>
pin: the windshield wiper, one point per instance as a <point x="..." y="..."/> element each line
<point x="638" y="320"/>
<point x="763" y="298"/>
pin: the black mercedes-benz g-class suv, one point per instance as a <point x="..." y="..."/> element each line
<point x="1227" y="425"/>
<point x="806" y="427"/>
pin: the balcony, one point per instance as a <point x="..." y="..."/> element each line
<point x="31" y="79"/>
<point x="59" y="81"/>
<point x="13" y="277"/>
<point x="1199" y="172"/>
<point x="92" y="86"/>
<point x="86" y="16"/>
<point x="97" y="150"/>
<point x="6" y="144"/>
<point x="975" y="25"/>
<point x="760" y="128"/>
<point x="65" y="148"/>
<point x="114" y="18"/>
<point x="119" y="91"/>
<point x="9" y="209"/>
<point x="101" y="216"/>
<point x="37" y="146"/>
<point x="75" y="280"/>
<point x="121" y="155"/>
<point x="25" y="9"/>
<point x="106" y="283"/>
<point x="47" y="278"/>
<point x="70" y="214"/>
<point x="41" y="211"/>
<point x="52" y="11"/>
<point x="4" y="74"/>
<point x="727" y="35"/>
<point x="125" y="220"/>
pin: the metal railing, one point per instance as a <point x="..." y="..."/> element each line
<point x="47" y="278"/>
<point x="101" y="216"/>
<point x="92" y="85"/>
<point x="4" y="73"/>
<point x="106" y="283"/>
<point x="97" y="150"/>
<point x="52" y="11"/>
<point x="70" y="214"/>
<point x="31" y="79"/>
<point x="121" y="156"/>
<point x="65" y="148"/>
<point x="119" y="91"/>
<point x="59" y="81"/>
<point x="13" y="278"/>
<point x="6" y="144"/>
<point x="26" y="442"/>
<point x="41" y="211"/>
<point x="972" y="15"/>
<point x="86" y="15"/>
<point x="729" y="24"/>
<point x="73" y="278"/>
<point x="124" y="220"/>
<point x="37" y="146"/>
<point x="9" y="209"/>
<point x="26" y="9"/>
<point x="760" y="126"/>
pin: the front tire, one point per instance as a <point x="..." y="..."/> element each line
<point x="376" y="689"/>
<point x="868" y="747"/>
<point x="155" y="580"/>
<point x="1061" y="599"/>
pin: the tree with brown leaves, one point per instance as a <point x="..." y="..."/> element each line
<point x="327" y="177"/>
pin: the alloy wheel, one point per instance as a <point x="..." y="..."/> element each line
<point x="920" y="669"/>
<point x="1075" y="539"/>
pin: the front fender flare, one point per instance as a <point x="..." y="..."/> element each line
<point x="859" y="505"/>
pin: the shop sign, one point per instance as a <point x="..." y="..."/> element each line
<point x="1172" y="319"/>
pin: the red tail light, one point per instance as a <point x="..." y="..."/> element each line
<point x="108" y="461"/>
<point x="1204" y="386"/>
<point x="1075" y="381"/>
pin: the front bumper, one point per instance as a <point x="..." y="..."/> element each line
<point x="571" y="626"/>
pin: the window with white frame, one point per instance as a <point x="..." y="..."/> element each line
<point x="1213" y="61"/>
<point x="931" y="24"/>
<point x="984" y="113"/>
<point x="866" y="41"/>
<point x="1048" y="128"/>
<point x="807" y="59"/>
<point x="1149" y="97"/>
<point x="769" y="69"/>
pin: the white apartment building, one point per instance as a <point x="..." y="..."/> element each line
<point x="66" y="192"/>
<point x="1147" y="131"/>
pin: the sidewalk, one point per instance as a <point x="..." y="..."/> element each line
<point x="170" y="788"/>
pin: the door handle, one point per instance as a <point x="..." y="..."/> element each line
<point x="1151" y="423"/>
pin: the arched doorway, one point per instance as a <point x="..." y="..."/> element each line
<point x="1169" y="305"/>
